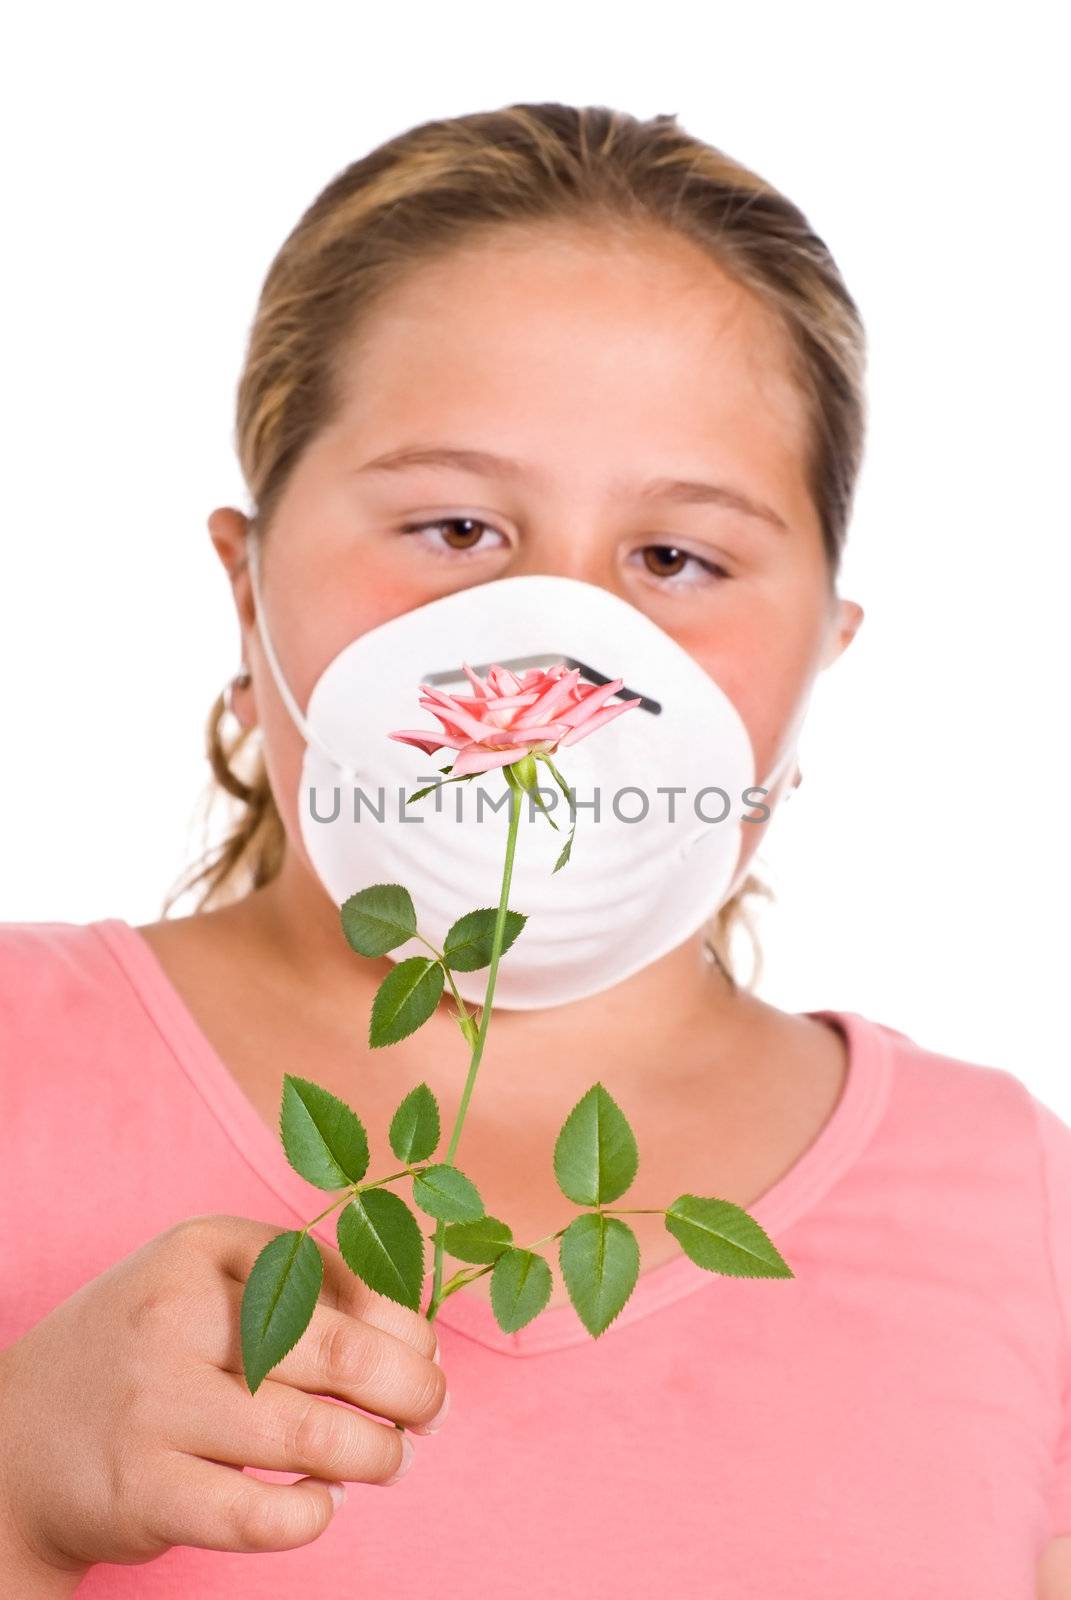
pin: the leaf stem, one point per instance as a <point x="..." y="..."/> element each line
<point x="463" y="1016"/>
<point x="460" y="1279"/>
<point x="497" y="939"/>
<point x="356" y="1188"/>
<point x="345" y="1195"/>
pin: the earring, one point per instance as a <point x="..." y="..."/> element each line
<point x="241" y="680"/>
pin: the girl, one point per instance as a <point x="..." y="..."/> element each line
<point x="537" y="341"/>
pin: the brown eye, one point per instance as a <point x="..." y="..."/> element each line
<point x="669" y="561"/>
<point x="467" y="538"/>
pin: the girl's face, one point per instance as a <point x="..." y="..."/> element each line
<point x="551" y="402"/>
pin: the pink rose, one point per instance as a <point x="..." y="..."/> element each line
<point x="508" y="717"/>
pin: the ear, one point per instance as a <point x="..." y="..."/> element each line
<point x="229" y="531"/>
<point x="845" y="622"/>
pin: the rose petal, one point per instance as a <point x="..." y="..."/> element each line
<point x="599" y="720"/>
<point x="475" y="679"/>
<point x="503" y="681"/>
<point x="541" y="730"/>
<point x="591" y="702"/>
<point x="462" y="719"/>
<point x="555" y="695"/>
<point x="423" y="741"/>
<point x="479" y="758"/>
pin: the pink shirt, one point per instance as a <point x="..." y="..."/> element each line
<point x="893" y="1421"/>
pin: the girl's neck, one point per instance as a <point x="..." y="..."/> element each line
<point x="291" y="931"/>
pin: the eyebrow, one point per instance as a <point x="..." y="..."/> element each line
<point x="682" y="491"/>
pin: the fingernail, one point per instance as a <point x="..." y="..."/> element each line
<point x="438" y="1419"/>
<point x="337" y="1491"/>
<point x="407" y="1462"/>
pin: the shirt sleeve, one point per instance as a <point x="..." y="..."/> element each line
<point x="1055" y="1138"/>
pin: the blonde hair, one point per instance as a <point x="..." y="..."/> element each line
<point x="447" y="183"/>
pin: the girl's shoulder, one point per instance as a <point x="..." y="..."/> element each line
<point x="50" y="954"/>
<point x="55" y="976"/>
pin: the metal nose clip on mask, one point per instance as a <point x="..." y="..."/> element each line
<point x="660" y="793"/>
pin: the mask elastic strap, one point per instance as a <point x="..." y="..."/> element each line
<point x="307" y="733"/>
<point x="773" y="779"/>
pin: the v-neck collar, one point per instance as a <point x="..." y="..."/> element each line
<point x="838" y="1144"/>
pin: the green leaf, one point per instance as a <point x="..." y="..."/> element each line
<point x="378" y="919"/>
<point x="381" y="1241"/>
<point x="595" y="1157"/>
<point x="722" y="1237"/>
<point x="566" y="851"/>
<point x="278" y="1302"/>
<point x="468" y="944"/>
<point x="414" y="1128"/>
<point x="405" y="999"/>
<point x="324" y="1140"/>
<point x="600" y="1262"/>
<point x="466" y="777"/>
<point x="520" y="1288"/>
<point x="542" y="804"/>
<point x="444" y="1192"/>
<point x="482" y="1241"/>
<point x="562" y="785"/>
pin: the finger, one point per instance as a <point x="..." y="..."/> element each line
<point x="345" y="1291"/>
<point x="216" y="1507"/>
<point x="336" y="1354"/>
<point x="238" y="1241"/>
<point x="340" y="1355"/>
<point x="282" y="1429"/>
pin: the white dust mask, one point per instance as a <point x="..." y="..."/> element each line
<point x="660" y="790"/>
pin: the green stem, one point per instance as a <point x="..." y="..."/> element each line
<point x="481" y="1036"/>
<point x="463" y="1017"/>
<point x="345" y="1195"/>
<point x="356" y="1188"/>
<point x="460" y="1279"/>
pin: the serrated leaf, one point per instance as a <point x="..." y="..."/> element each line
<point x="414" y="1128"/>
<point x="465" y="777"/>
<point x="444" y="1192"/>
<point x="559" y="780"/>
<point x="380" y="1240"/>
<point x="722" y="1237"/>
<point x="481" y="1242"/>
<point x="566" y="852"/>
<point x="378" y="919"/>
<point x="600" y="1262"/>
<point x="595" y="1156"/>
<point x="520" y="1287"/>
<point x="541" y="803"/>
<point x="324" y="1140"/>
<point x="278" y="1302"/>
<point x="468" y="943"/>
<point x="405" y="999"/>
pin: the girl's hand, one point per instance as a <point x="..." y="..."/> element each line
<point x="126" y="1417"/>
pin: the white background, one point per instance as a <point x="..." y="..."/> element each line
<point x="155" y="159"/>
